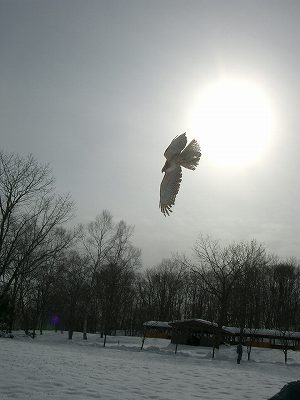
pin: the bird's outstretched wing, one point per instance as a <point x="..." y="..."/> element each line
<point x="176" y="146"/>
<point x="169" y="188"/>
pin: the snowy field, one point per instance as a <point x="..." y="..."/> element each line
<point x="52" y="367"/>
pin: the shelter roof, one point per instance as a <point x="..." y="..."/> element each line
<point x="156" y="324"/>
<point x="267" y="333"/>
<point x="197" y="324"/>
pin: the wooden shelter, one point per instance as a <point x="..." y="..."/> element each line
<point x="195" y="332"/>
<point x="200" y="332"/>
<point x="157" y="329"/>
<point x="268" y="338"/>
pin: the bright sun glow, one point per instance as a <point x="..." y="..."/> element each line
<point x="233" y="121"/>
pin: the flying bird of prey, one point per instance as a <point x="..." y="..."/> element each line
<point x="177" y="156"/>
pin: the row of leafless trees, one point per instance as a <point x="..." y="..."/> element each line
<point x="90" y="278"/>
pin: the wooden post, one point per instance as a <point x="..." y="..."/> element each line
<point x="249" y="348"/>
<point x="214" y="345"/>
<point x="143" y="341"/>
<point x="285" y="354"/>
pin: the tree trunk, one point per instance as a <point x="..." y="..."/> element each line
<point x="41" y="324"/>
<point x="11" y="317"/>
<point x="241" y="334"/>
<point x="42" y="319"/>
<point x="218" y="336"/>
<point x="35" y="324"/>
<point x="11" y="323"/>
<point x="70" y="334"/>
<point x="85" y="329"/>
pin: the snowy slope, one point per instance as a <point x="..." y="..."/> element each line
<point x="52" y="367"/>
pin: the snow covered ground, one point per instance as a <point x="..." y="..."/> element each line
<point x="52" y="367"/>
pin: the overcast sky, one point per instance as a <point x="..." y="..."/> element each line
<point x="99" y="89"/>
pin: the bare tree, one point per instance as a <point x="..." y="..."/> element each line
<point x="253" y="260"/>
<point x="220" y="268"/>
<point x="284" y="299"/>
<point x="161" y="290"/>
<point x="111" y="258"/>
<point x="29" y="214"/>
<point x="197" y="301"/>
<point x="21" y="180"/>
<point x="115" y="292"/>
<point x="71" y="288"/>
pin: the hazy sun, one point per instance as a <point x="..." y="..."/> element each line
<point x="233" y="120"/>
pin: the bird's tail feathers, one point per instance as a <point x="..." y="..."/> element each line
<point x="190" y="156"/>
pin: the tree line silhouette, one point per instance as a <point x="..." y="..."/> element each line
<point x="90" y="278"/>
